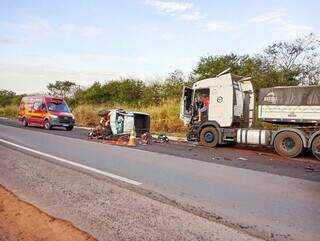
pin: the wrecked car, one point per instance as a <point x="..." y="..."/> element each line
<point x="118" y="122"/>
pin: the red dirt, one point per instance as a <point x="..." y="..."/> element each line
<point x="22" y="221"/>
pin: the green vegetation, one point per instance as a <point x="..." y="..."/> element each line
<point x="282" y="63"/>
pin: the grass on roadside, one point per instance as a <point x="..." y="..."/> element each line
<point x="164" y="117"/>
<point x="9" y="111"/>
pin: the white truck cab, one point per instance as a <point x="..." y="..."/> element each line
<point x="231" y="100"/>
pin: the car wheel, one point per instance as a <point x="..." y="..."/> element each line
<point x="47" y="125"/>
<point x="69" y="128"/>
<point x="209" y="136"/>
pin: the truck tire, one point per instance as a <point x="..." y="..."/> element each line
<point x="24" y="122"/>
<point x="288" y="144"/>
<point x="209" y="136"/>
<point x="315" y="147"/>
<point x="47" y="125"/>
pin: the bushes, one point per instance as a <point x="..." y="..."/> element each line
<point x="10" y="111"/>
<point x="86" y="115"/>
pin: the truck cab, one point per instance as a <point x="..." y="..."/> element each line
<point x="231" y="103"/>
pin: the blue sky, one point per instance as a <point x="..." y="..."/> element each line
<point x="87" y="41"/>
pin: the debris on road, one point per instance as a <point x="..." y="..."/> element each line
<point x="162" y="139"/>
<point x="309" y="169"/>
<point x="242" y="159"/>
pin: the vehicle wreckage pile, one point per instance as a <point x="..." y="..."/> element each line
<point x="120" y="127"/>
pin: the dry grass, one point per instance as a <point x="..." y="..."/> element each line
<point x="164" y="118"/>
<point x="10" y="111"/>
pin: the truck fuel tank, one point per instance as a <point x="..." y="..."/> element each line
<point x="256" y="137"/>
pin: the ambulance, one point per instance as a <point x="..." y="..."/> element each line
<point x="45" y="111"/>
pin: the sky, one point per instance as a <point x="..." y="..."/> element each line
<point x="85" y="41"/>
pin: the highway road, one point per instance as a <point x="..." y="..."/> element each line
<point x="260" y="192"/>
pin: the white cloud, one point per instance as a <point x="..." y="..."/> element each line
<point x="40" y="26"/>
<point x="8" y="40"/>
<point x="183" y="10"/>
<point x="273" y="16"/>
<point x="34" y="25"/>
<point x="191" y="16"/>
<point x="91" y="31"/>
<point x="102" y="57"/>
<point x="218" y="26"/>
<point x="68" y="27"/>
<point x="281" y="21"/>
<point x="86" y="30"/>
<point x="170" y="7"/>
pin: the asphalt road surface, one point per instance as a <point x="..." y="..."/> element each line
<point x="254" y="189"/>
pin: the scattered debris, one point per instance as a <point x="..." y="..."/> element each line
<point x="162" y="139"/>
<point x="309" y="169"/>
<point x="146" y="138"/>
<point x="242" y="159"/>
<point x="244" y="226"/>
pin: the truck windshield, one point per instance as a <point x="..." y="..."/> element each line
<point x="58" y="107"/>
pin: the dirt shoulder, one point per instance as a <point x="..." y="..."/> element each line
<point x="22" y="221"/>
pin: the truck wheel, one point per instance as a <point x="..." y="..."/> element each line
<point x="24" y="122"/>
<point x="209" y="136"/>
<point x="47" y="125"/>
<point x="288" y="144"/>
<point x="316" y="147"/>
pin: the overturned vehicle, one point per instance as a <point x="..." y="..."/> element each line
<point x="119" y="122"/>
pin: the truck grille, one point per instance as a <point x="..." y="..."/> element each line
<point x="65" y="119"/>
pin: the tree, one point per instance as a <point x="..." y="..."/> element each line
<point x="298" y="58"/>
<point x="172" y="86"/>
<point x="210" y="66"/>
<point x="6" y="97"/>
<point x="63" y="89"/>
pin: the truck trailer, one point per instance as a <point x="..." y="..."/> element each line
<point x="228" y="118"/>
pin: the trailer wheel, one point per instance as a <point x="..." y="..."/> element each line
<point x="288" y="144"/>
<point x="209" y="136"/>
<point x="316" y="147"/>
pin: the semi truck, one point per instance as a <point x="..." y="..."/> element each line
<point x="293" y="114"/>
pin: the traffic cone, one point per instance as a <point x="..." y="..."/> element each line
<point x="132" y="138"/>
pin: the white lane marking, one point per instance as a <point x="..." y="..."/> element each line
<point x="107" y="174"/>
